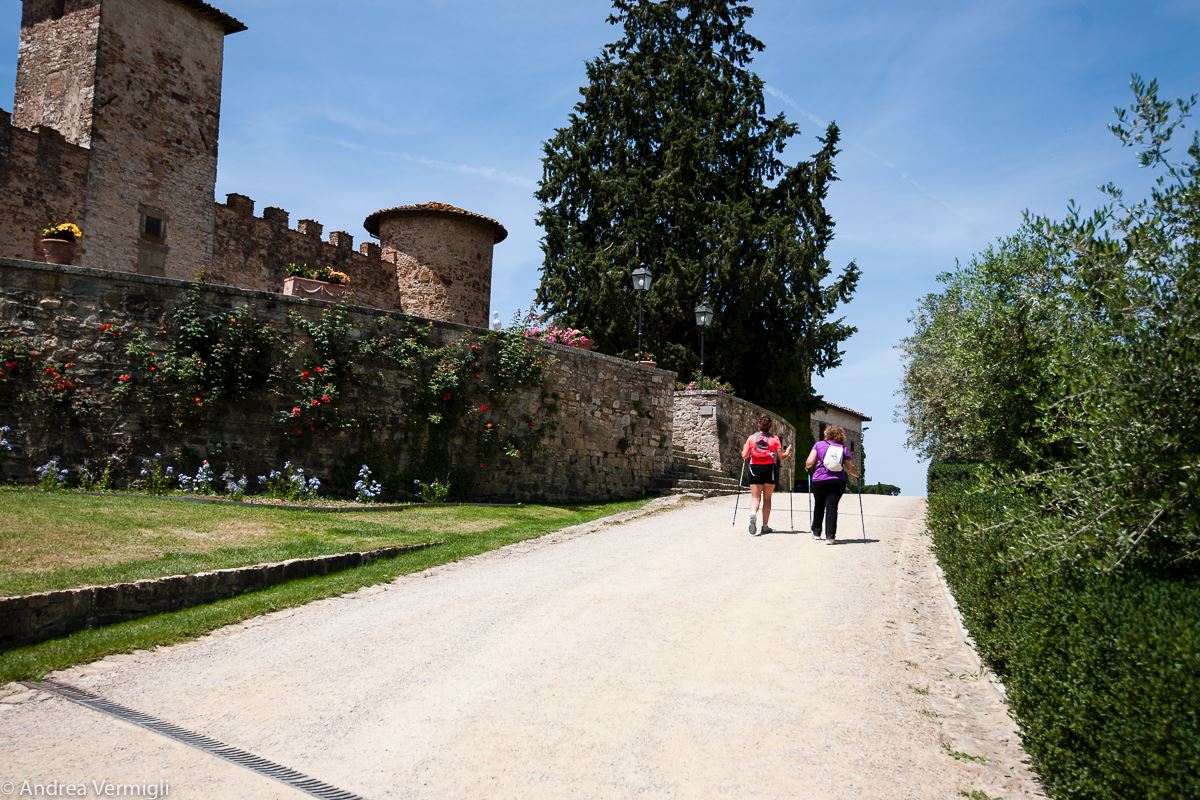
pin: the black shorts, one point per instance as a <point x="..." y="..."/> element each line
<point x="764" y="473"/>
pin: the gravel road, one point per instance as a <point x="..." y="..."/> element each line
<point x="668" y="656"/>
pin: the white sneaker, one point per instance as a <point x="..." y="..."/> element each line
<point x="753" y="521"/>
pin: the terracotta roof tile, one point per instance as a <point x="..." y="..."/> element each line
<point x="846" y="409"/>
<point x="371" y="223"/>
<point x="230" y="24"/>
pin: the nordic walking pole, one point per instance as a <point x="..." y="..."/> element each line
<point x="792" y="501"/>
<point x="810" y="516"/>
<point x="862" y="518"/>
<point x="739" y="494"/>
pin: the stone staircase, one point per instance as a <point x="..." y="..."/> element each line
<point x="690" y="474"/>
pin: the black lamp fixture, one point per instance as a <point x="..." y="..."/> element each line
<point x="704" y="315"/>
<point x="641" y="283"/>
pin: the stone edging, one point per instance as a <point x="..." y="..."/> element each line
<point x="33" y="618"/>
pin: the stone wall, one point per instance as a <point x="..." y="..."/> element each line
<point x="612" y="419"/>
<point x="154" y="138"/>
<point x="714" y="426"/>
<point x="56" y="68"/>
<point x="41" y="183"/>
<point x="254" y="252"/>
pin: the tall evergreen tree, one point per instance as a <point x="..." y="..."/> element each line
<point x="670" y="160"/>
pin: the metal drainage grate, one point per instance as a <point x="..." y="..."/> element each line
<point x="291" y="777"/>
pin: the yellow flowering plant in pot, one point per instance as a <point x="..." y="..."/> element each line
<point x="60" y="242"/>
<point x="63" y="232"/>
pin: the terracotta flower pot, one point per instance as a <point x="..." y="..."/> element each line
<point x="296" y="286"/>
<point x="648" y="363"/>
<point x="58" y="251"/>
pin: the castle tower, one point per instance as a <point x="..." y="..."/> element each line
<point x="443" y="258"/>
<point x="139" y="83"/>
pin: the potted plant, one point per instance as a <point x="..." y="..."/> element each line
<point x="318" y="283"/>
<point x="552" y="332"/>
<point x="60" y="242"/>
<point x="647" y="360"/>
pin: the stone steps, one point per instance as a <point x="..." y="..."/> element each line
<point x="690" y="474"/>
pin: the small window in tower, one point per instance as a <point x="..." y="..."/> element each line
<point x="153" y="227"/>
<point x="57" y="9"/>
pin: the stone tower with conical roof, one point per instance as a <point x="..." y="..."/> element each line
<point x="443" y="258"/>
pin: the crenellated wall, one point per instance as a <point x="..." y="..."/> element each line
<point x="41" y="183"/>
<point x="610" y="437"/>
<point x="252" y="252"/>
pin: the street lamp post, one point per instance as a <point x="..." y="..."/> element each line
<point x="641" y="283"/>
<point x="704" y="316"/>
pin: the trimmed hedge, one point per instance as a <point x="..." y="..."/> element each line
<point x="1102" y="669"/>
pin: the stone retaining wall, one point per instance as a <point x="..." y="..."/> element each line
<point x="714" y="426"/>
<point x="37" y="617"/>
<point x="610" y="436"/>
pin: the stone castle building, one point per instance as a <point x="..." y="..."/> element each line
<point x="114" y="127"/>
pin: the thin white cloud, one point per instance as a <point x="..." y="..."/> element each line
<point x="490" y="173"/>
<point x="904" y="176"/>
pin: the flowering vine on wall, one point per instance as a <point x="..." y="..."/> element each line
<point x="316" y="380"/>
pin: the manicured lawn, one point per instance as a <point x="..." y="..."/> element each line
<point x="55" y="540"/>
<point x="42" y="537"/>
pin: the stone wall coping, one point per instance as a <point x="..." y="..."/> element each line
<point x="602" y="356"/>
<point x="729" y="397"/>
<point x="32" y="618"/>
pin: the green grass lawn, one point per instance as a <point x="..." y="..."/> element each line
<point x="57" y="540"/>
<point x="51" y="540"/>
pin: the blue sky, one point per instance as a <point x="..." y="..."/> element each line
<point x="955" y="117"/>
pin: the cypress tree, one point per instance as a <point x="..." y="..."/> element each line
<point x="670" y="160"/>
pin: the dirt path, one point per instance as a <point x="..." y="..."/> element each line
<point x="669" y="656"/>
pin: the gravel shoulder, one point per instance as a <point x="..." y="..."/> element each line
<point x="668" y="655"/>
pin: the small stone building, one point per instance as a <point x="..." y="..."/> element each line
<point x="852" y="421"/>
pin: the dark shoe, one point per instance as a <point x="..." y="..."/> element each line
<point x="765" y="530"/>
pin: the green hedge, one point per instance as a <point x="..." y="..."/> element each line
<point x="1102" y="669"/>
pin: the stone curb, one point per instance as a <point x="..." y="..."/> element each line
<point x="33" y="618"/>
